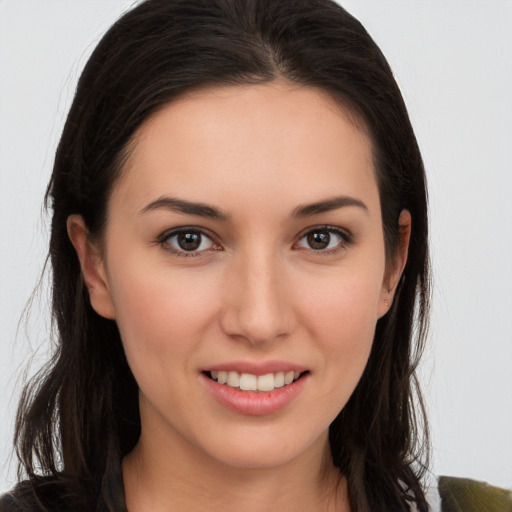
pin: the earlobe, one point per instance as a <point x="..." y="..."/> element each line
<point x="396" y="268"/>
<point x="92" y="265"/>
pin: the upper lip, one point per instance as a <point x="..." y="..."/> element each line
<point x="256" y="368"/>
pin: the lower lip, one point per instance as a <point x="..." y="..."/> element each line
<point x="254" y="403"/>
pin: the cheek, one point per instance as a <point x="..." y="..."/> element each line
<point x="341" y="316"/>
<point x="343" y="305"/>
<point x="160" y="315"/>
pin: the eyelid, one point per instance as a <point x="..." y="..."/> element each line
<point x="345" y="234"/>
<point x="162" y="240"/>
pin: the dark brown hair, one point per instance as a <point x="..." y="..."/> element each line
<point x="80" y="416"/>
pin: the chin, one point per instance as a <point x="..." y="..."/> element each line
<point x="264" y="448"/>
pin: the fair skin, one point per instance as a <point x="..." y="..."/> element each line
<point x="284" y="269"/>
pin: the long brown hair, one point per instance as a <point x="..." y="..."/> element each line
<point x="80" y="416"/>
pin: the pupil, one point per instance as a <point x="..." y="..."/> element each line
<point x="189" y="241"/>
<point x="319" y="240"/>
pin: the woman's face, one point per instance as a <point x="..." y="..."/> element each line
<point x="244" y="242"/>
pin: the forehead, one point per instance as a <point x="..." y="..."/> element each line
<point x="273" y="140"/>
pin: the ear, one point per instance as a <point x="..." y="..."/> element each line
<point x="92" y="265"/>
<point x="396" y="267"/>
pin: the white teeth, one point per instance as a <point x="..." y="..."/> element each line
<point x="279" y="380"/>
<point x="250" y="382"/>
<point x="266" y="382"/>
<point x="233" y="379"/>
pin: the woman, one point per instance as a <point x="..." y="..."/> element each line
<point x="239" y="252"/>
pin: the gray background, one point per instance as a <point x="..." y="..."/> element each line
<point x="452" y="59"/>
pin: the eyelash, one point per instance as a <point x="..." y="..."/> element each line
<point x="346" y="239"/>
<point x="164" y="240"/>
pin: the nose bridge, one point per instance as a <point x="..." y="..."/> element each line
<point x="256" y="307"/>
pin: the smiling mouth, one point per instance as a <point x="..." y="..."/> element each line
<point x="251" y="382"/>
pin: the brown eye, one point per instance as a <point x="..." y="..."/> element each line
<point x="318" y="240"/>
<point x="323" y="239"/>
<point x="190" y="241"/>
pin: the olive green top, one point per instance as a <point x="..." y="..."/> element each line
<point x="455" y="494"/>
<point x="465" y="495"/>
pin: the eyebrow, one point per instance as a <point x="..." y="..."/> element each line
<point x="211" y="212"/>
<point x="187" y="207"/>
<point x="327" y="205"/>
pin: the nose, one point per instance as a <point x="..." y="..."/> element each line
<point x="256" y="305"/>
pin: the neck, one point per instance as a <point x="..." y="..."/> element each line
<point x="174" y="476"/>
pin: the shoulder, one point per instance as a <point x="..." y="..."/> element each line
<point x="43" y="495"/>
<point x="8" y="503"/>
<point x="465" y="495"/>
<point x="452" y="494"/>
<point x="55" y="494"/>
<point x="13" y="500"/>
